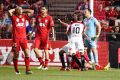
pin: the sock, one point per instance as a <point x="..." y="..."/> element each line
<point x="82" y="61"/>
<point x="76" y="60"/>
<point x="69" y="61"/>
<point x="46" y="62"/>
<point x="62" y="60"/>
<point x="15" y="63"/>
<point x="41" y="61"/>
<point x="95" y="55"/>
<point x="27" y="63"/>
<point x="86" y="57"/>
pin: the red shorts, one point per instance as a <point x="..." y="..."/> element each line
<point x="20" y="43"/>
<point x="41" y="43"/>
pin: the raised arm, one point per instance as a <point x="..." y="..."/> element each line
<point x="28" y="11"/>
<point x="63" y="23"/>
<point x="11" y="12"/>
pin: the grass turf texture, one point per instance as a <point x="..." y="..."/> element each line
<point x="7" y="73"/>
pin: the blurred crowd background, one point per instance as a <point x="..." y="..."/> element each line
<point x="106" y="11"/>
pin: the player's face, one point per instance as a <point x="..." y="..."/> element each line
<point x="19" y="10"/>
<point x="43" y="10"/>
<point x="75" y="17"/>
<point x="33" y="20"/>
<point x="86" y="12"/>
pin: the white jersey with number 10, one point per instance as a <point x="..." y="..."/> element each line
<point x="76" y="30"/>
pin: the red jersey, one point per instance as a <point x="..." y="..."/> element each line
<point x="44" y="25"/>
<point x="19" y="27"/>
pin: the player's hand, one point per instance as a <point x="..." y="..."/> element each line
<point x="60" y="20"/>
<point x="14" y="46"/>
<point x="96" y="37"/>
<point x="30" y="34"/>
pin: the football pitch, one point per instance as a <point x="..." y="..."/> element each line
<point x="7" y="73"/>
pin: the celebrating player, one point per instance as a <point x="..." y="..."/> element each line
<point x="76" y="41"/>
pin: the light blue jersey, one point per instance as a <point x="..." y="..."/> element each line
<point x="91" y="26"/>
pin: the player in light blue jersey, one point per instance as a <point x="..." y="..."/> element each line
<point x="92" y="32"/>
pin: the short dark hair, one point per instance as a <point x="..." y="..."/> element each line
<point x="89" y="10"/>
<point x="80" y="17"/>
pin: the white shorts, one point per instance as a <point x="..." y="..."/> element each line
<point x="65" y="48"/>
<point x="76" y="45"/>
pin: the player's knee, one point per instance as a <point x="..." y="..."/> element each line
<point x="27" y="53"/>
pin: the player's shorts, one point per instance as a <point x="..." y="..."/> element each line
<point x="41" y="43"/>
<point x="65" y="48"/>
<point x="90" y="44"/>
<point x="20" y="43"/>
<point x="76" y="45"/>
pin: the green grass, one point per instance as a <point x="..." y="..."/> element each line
<point x="7" y="73"/>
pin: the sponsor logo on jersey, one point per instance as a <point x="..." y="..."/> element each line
<point x="20" y="24"/>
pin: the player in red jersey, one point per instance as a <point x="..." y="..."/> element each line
<point x="19" y="37"/>
<point x="44" y="24"/>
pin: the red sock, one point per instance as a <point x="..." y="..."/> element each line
<point x="46" y="62"/>
<point x="41" y="61"/>
<point x="27" y="63"/>
<point x="15" y="63"/>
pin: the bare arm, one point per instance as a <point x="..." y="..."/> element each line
<point x="63" y="23"/>
<point x="53" y="33"/>
<point x="11" y="12"/>
<point x="98" y="31"/>
<point x="28" y="11"/>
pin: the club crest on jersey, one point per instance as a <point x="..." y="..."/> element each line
<point x="23" y="19"/>
<point x="17" y="20"/>
<point x="46" y="21"/>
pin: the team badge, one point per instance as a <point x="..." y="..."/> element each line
<point x="23" y="19"/>
<point x="46" y="21"/>
<point x="17" y="20"/>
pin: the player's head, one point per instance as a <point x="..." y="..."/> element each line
<point x="80" y="17"/>
<point x="43" y="9"/>
<point x="18" y="10"/>
<point x="77" y="17"/>
<point x="87" y="12"/>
